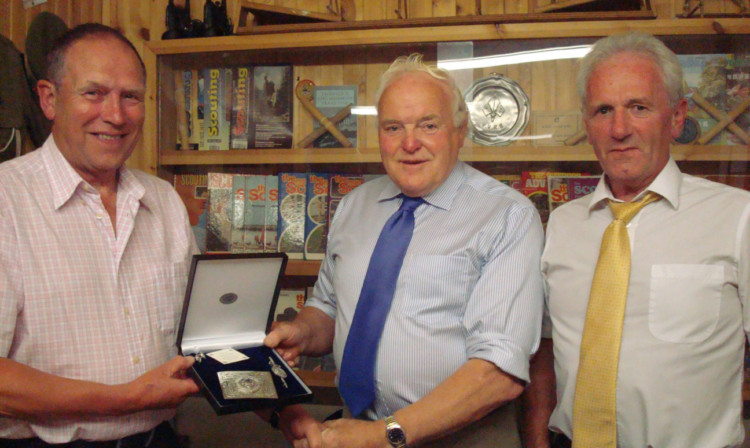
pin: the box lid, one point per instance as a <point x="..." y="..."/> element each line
<point x="229" y="300"/>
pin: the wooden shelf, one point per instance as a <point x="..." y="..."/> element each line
<point x="304" y="268"/>
<point x="468" y="154"/>
<point x="317" y="379"/>
<point x="448" y="33"/>
<point x="323" y="385"/>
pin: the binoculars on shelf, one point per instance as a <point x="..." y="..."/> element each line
<point x="215" y="21"/>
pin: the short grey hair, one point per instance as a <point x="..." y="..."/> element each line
<point x="413" y="63"/>
<point x="639" y="43"/>
<point x="57" y="56"/>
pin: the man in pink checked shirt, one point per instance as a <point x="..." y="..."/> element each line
<point x="93" y="265"/>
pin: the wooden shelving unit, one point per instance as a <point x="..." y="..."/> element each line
<point x="469" y="154"/>
<point x="346" y="53"/>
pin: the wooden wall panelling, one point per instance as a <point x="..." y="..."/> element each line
<point x="466" y="7"/>
<point x="373" y="10"/>
<point x="5" y="19"/>
<point x="157" y="23"/>
<point x="391" y="7"/>
<point x="419" y="8"/>
<point x="356" y="74"/>
<point x="373" y="72"/>
<point x="709" y="7"/>
<point x="17" y="24"/>
<point x="521" y="73"/>
<point x="490" y="7"/>
<point x="565" y="95"/>
<point x="303" y="121"/>
<point x="444" y="8"/>
<point x="516" y="6"/>
<point x="64" y="10"/>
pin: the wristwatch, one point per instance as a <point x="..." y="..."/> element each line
<point x="394" y="433"/>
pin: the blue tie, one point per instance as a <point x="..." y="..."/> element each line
<point x="357" y="372"/>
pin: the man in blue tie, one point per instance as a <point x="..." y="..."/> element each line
<point x="430" y="295"/>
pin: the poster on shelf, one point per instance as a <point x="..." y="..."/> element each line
<point x="330" y="100"/>
<point x="272" y="106"/>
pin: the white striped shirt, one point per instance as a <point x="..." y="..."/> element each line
<point x="78" y="300"/>
<point x="470" y="285"/>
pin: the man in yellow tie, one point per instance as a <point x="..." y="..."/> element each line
<point x="647" y="278"/>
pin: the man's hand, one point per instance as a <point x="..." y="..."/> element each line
<point x="163" y="387"/>
<point x="289" y="339"/>
<point x="300" y="428"/>
<point x="352" y="433"/>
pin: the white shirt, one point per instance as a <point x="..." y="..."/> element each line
<point x="681" y="361"/>
<point x="470" y="285"/>
<point x="78" y="300"/>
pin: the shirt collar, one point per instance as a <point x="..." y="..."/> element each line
<point x="666" y="184"/>
<point x="65" y="180"/>
<point x="441" y="197"/>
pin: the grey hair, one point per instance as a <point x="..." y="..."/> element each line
<point x="633" y="42"/>
<point x="58" y="54"/>
<point x="413" y="63"/>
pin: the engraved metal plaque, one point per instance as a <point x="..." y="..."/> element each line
<point x="247" y="384"/>
<point x="498" y="110"/>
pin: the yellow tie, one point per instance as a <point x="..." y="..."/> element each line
<point x="594" y="418"/>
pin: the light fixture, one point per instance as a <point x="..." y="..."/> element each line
<point x="364" y="110"/>
<point x="522" y="57"/>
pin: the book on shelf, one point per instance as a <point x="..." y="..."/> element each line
<point x="562" y="189"/>
<point x="511" y="180"/>
<point x="217" y="95"/>
<point x="219" y="225"/>
<point x="238" y="214"/>
<point x="316" y="216"/>
<point x="289" y="304"/>
<point x="338" y="186"/>
<point x="239" y="135"/>
<point x="197" y="108"/>
<point x="534" y="187"/>
<point x="193" y="190"/>
<point x="270" y="233"/>
<point x="273" y="91"/>
<point x="330" y="100"/>
<point x="255" y="213"/>
<point x="291" y="221"/>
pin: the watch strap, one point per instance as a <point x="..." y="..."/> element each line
<point x="394" y="433"/>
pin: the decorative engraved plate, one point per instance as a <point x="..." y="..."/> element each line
<point x="498" y="110"/>
<point x="247" y="384"/>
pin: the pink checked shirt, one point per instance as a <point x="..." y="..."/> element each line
<point x="78" y="300"/>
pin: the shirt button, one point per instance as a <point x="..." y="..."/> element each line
<point x="127" y="312"/>
<point x="99" y="216"/>
<point x="136" y="360"/>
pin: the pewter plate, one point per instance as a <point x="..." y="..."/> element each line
<point x="498" y="110"/>
<point x="247" y="384"/>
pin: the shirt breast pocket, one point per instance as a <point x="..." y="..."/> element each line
<point x="684" y="301"/>
<point x="166" y="291"/>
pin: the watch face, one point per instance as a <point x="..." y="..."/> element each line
<point x="396" y="436"/>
